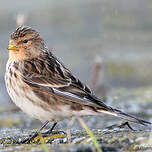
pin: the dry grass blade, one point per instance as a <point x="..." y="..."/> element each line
<point x="42" y="141"/>
<point x="90" y="133"/>
<point x="20" y="19"/>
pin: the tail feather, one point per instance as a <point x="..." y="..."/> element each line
<point x="120" y="114"/>
<point x="131" y="118"/>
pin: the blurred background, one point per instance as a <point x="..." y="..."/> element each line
<point x="106" y="43"/>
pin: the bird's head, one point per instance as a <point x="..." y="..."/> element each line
<point x="25" y="43"/>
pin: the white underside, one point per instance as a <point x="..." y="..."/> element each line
<point x="39" y="113"/>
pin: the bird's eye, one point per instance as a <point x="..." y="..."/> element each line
<point x="25" y="41"/>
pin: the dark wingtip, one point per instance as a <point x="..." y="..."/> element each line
<point x="143" y="122"/>
<point x="131" y="118"/>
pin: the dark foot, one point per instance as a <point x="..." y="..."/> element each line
<point x="54" y="134"/>
<point x="121" y="126"/>
<point x="126" y="124"/>
<point x="27" y="140"/>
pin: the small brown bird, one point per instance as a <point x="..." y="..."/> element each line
<point x="44" y="88"/>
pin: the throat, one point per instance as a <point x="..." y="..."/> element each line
<point x="17" y="56"/>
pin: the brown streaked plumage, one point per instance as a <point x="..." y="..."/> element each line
<point x="44" y="88"/>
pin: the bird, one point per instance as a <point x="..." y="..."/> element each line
<point x="44" y="88"/>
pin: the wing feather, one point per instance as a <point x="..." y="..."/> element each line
<point x="54" y="78"/>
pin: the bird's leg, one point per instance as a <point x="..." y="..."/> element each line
<point x="27" y="140"/>
<point x="51" y="130"/>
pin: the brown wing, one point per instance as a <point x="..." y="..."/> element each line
<point x="47" y="72"/>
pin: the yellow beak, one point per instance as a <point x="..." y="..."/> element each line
<point x="12" y="47"/>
